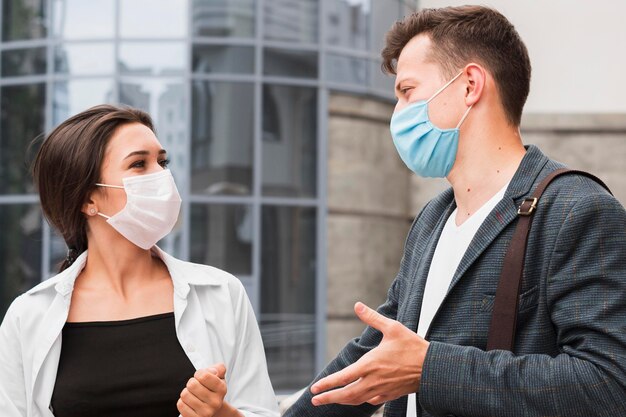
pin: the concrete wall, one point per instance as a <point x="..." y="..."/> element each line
<point x="368" y="212"/>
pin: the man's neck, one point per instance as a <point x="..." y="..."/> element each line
<point x="484" y="165"/>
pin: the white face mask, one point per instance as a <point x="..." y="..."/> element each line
<point x="151" y="211"/>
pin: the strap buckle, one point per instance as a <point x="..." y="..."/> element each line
<point x="527" y="207"/>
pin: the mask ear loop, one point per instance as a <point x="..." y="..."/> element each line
<point x="464" y="116"/>
<point x="110" y="186"/>
<point x="444" y="87"/>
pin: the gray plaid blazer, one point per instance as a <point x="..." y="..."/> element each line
<point x="570" y="349"/>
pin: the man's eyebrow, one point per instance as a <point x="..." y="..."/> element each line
<point x="143" y="153"/>
<point x="399" y="83"/>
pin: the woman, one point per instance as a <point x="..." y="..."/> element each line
<point x="125" y="329"/>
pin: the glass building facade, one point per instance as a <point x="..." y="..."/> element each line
<point x="239" y="93"/>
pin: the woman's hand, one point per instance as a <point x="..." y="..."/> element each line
<point x="204" y="394"/>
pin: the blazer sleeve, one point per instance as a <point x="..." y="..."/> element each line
<point x="586" y="289"/>
<point x="352" y="352"/>
<point x="12" y="386"/>
<point x="249" y="388"/>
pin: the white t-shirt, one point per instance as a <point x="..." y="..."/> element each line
<point x="451" y="248"/>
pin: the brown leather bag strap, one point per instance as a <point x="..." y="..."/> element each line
<point x="504" y="315"/>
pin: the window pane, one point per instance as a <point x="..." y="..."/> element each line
<point x="289" y="141"/>
<point x="80" y="19"/>
<point x="163" y="58"/>
<point x="294" y="21"/>
<point x="223" y="59"/>
<point x="20" y="251"/>
<point x="221" y="140"/>
<point x="16" y="62"/>
<point x="290" y="63"/>
<point x="165" y="100"/>
<point x="221" y="236"/>
<point x="153" y="18"/>
<point x="385" y="13"/>
<point x="84" y="59"/>
<point x="23" y="20"/>
<point x="223" y="18"/>
<point x="288" y="268"/>
<point x="347" y="23"/>
<point x="72" y="97"/>
<point x="21" y="121"/>
<point x="380" y="80"/>
<point x="346" y="70"/>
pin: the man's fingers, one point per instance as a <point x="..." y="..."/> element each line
<point x="352" y="394"/>
<point x="372" y="318"/>
<point x="339" y="379"/>
<point x="377" y="400"/>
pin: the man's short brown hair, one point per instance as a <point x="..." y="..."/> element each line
<point x="465" y="34"/>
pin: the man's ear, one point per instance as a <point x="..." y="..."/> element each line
<point x="476" y="77"/>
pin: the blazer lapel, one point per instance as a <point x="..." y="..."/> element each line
<point x="504" y="212"/>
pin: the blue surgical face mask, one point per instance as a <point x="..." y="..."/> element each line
<point x="425" y="149"/>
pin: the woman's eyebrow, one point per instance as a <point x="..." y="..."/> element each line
<point x="161" y="152"/>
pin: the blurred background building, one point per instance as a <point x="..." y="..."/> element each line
<point x="275" y="115"/>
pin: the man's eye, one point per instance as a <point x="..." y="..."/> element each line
<point x="405" y="90"/>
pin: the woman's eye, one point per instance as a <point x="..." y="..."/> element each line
<point x="138" y="164"/>
<point x="164" y="163"/>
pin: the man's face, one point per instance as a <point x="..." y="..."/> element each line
<point x="419" y="77"/>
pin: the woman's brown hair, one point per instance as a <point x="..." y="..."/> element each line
<point x="67" y="167"/>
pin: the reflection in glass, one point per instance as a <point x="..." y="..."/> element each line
<point x="347" y="23"/>
<point x="221" y="236"/>
<point x="223" y="18"/>
<point x="165" y="100"/>
<point x="290" y="63"/>
<point x="20" y="251"/>
<point x="153" y="18"/>
<point x="21" y="121"/>
<point x="221" y="140"/>
<point x="346" y="69"/>
<point x="385" y="13"/>
<point x="30" y="61"/>
<point x="225" y="59"/>
<point x="72" y="97"/>
<point x="80" y="19"/>
<point x="84" y="59"/>
<point x="288" y="271"/>
<point x="289" y="149"/>
<point x="22" y="20"/>
<point x="296" y="22"/>
<point x="163" y="58"/>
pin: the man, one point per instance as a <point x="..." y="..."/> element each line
<point x="424" y="351"/>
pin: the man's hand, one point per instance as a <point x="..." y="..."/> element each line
<point x="387" y="372"/>
<point x="204" y="394"/>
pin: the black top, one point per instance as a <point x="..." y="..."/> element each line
<point x="121" y="368"/>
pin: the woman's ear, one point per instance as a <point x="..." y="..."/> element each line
<point x="476" y="77"/>
<point x="89" y="208"/>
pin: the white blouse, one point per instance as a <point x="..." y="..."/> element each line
<point x="214" y="323"/>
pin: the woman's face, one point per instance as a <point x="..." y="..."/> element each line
<point x="132" y="150"/>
